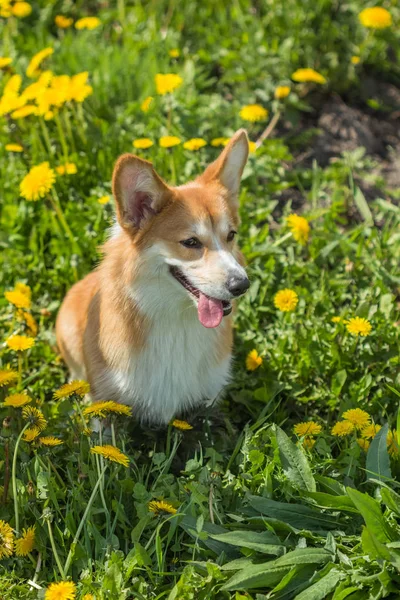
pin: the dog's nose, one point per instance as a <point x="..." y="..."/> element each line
<point x="237" y="285"/>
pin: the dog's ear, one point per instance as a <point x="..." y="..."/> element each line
<point x="138" y="191"/>
<point x="228" y="167"/>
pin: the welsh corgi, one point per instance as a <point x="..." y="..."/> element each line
<point x="151" y="326"/>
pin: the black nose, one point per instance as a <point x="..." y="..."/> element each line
<point x="237" y="285"/>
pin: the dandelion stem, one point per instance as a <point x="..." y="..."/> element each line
<point x="62" y="136"/>
<point x="14" y="479"/>
<point x="53" y="547"/>
<point x="269" y="129"/>
<point x="81" y="524"/>
<point x="55" y="203"/>
<point x="20" y="359"/>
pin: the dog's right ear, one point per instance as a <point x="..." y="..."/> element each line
<point x="138" y="191"/>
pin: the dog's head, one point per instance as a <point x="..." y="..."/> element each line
<point x="188" y="232"/>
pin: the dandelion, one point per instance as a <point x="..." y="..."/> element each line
<point x="35" y="62"/>
<point x="252" y="147"/>
<point x="20" y="343"/>
<point x="167" y="83"/>
<point x="38" y="182"/>
<point x="21" y="10"/>
<point x="286" y="300"/>
<point x="78" y="387"/>
<point x="14" y="148"/>
<point x="23" y="289"/>
<point x="281" y="92"/>
<point x="63" y="22"/>
<point x="308" y="76"/>
<point x="18" y="299"/>
<point x="174" y="53"/>
<point x="7" y="376"/>
<point x="336" y="319"/>
<point x="77" y="87"/>
<point x="309" y="428"/>
<point x="102" y="409"/>
<point x="375" y="17"/>
<point x="359" y="418"/>
<point x="159" y="506"/>
<point x="299" y="227"/>
<point x="50" y="440"/>
<point x="168" y="141"/>
<point x="5" y="61"/>
<point x="17" y="400"/>
<point x="363" y="443"/>
<point x="88" y="597"/>
<point x="111" y="453"/>
<point x="182" y="425"/>
<point x="221" y="141"/>
<point x="142" y="143"/>
<point x="355" y="60"/>
<point x="145" y="105"/>
<point x="63" y="590"/>
<point x="87" y="23"/>
<point x="35" y="417"/>
<point x="103" y="200"/>
<point x="253" y="360"/>
<point x="253" y="113"/>
<point x="31" y="434"/>
<point x="342" y="428"/>
<point x="194" y="144"/>
<point x="392" y="446"/>
<point x="308" y="443"/>
<point x="25" y="544"/>
<point x="30" y="323"/>
<point x="24" y="111"/>
<point x="13" y="85"/>
<point x="6" y="540"/>
<point x="359" y="326"/>
<point x="67" y="169"/>
<point x="369" y="431"/>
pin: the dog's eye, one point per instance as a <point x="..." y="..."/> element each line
<point x="192" y="243"/>
<point x="231" y="235"/>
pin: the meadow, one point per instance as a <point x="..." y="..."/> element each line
<point x="288" y="489"/>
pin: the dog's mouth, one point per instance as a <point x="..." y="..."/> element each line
<point x="210" y="310"/>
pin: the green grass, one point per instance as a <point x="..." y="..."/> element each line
<point x="258" y="514"/>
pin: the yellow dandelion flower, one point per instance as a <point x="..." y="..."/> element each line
<point x="299" y="227"/>
<point x="281" y="92"/>
<point x="63" y="22"/>
<point x="5" y="61"/>
<point x="26" y="543"/>
<point x="145" y="105"/>
<point x="7" y="376"/>
<point x="31" y="434"/>
<point x="342" y="428"/>
<point x="30" y="323"/>
<point x="78" y="387"/>
<point x="369" y="431"/>
<point x="286" y="300"/>
<point x="88" y="597"/>
<point x="17" y="298"/>
<point x="78" y="89"/>
<point x="363" y="443"/>
<point x="87" y="431"/>
<point x="111" y="453"/>
<point x="20" y="343"/>
<point x="221" y="141"/>
<point x="103" y="200"/>
<point x="168" y="141"/>
<point x="308" y="76"/>
<point x="14" y="148"/>
<point x="252" y="147"/>
<point x="375" y="17"/>
<point x="174" y="53"/>
<point x="87" y="23"/>
<point x="38" y="182"/>
<point x="355" y="60"/>
<point x="359" y="326"/>
<point x="308" y="428"/>
<point x="359" y="418"/>
<point x="253" y="360"/>
<point x="17" y="400"/>
<point x="159" y="506"/>
<point x="103" y="408"/>
<point x="392" y="446"/>
<point x="308" y="443"/>
<point x="182" y="425"/>
<point x="142" y="143"/>
<point x="253" y="113"/>
<point x="50" y="440"/>
<point x="63" y="590"/>
<point x="35" y="62"/>
<point x="21" y="10"/>
<point x="23" y="289"/>
<point x="67" y="169"/>
<point x="24" y="111"/>
<point x="336" y="319"/>
<point x="13" y="85"/>
<point x="6" y="540"/>
<point x="167" y="83"/>
<point x="35" y="417"/>
<point x="194" y="144"/>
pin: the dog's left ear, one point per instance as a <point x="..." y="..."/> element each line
<point x="228" y="167"/>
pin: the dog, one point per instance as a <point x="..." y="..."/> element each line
<point x="151" y="326"/>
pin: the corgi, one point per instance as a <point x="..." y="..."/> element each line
<point x="152" y="326"/>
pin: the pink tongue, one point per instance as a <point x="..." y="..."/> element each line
<point x="210" y="311"/>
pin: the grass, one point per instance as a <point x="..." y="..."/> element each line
<point x="252" y="509"/>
